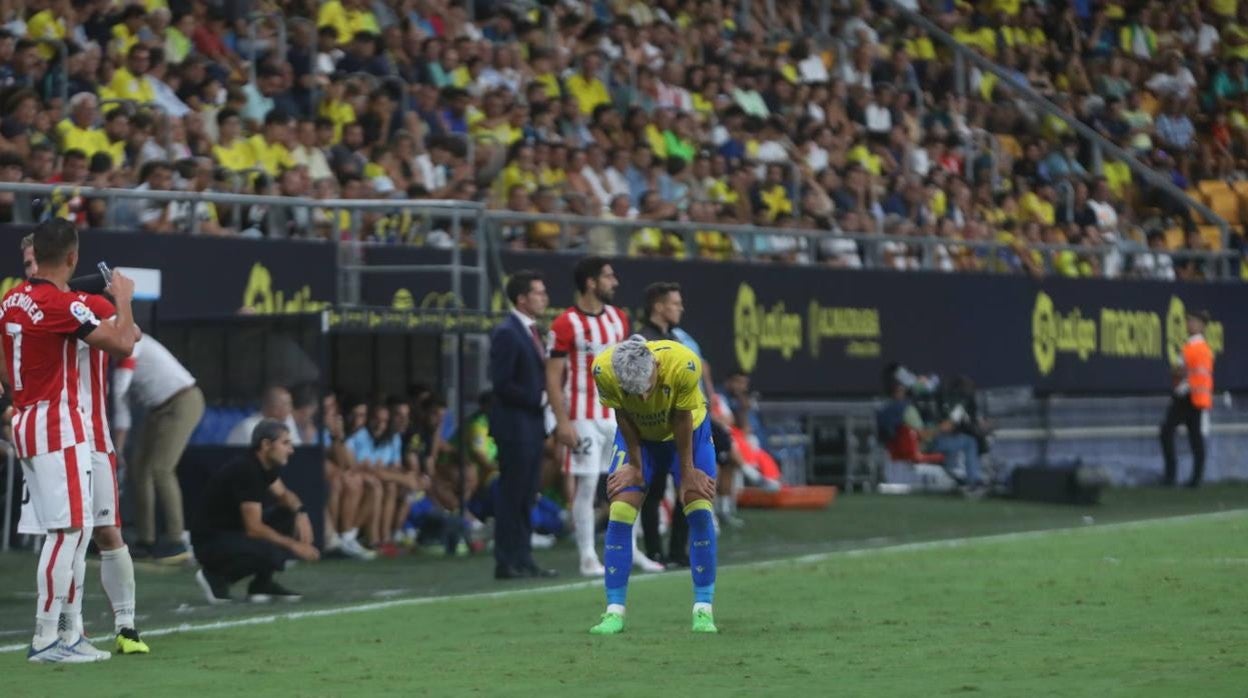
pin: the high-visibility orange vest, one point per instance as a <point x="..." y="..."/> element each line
<point x="1198" y="359"/>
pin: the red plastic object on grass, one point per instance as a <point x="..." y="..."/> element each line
<point x="806" y="497"/>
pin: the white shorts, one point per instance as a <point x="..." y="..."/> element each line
<point x="105" y="499"/>
<point x="58" y="491"/>
<point x="592" y="455"/>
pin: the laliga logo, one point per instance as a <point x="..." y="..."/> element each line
<point x="1176" y="332"/>
<point x="260" y="296"/>
<point x="1053" y="332"/>
<point x="756" y="327"/>
<point x="1043" y="334"/>
<point x="744" y="326"/>
<point x="403" y="300"/>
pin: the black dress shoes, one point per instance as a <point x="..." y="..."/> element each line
<point x="533" y="570"/>
<point x="509" y="572"/>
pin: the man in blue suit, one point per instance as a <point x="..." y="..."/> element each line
<point x="518" y="373"/>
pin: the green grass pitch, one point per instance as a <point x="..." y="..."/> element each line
<point x="877" y="605"/>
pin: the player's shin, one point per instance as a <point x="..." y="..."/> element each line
<point x="701" y="551"/>
<point x="583" y="516"/>
<point x="54" y="577"/>
<point x="117" y="578"/>
<point x="70" y="626"/>
<point x="618" y="554"/>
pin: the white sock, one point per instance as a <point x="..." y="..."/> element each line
<point x="53" y="578"/>
<point x="117" y="578"/>
<point x="72" y="609"/>
<point x="348" y="536"/>
<point x="701" y="606"/>
<point x="583" y="514"/>
<point x="615" y="608"/>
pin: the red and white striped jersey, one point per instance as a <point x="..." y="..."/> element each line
<point x="42" y="326"/>
<point x="580" y="337"/>
<point x="93" y="380"/>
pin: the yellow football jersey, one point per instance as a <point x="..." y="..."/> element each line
<point x="679" y="387"/>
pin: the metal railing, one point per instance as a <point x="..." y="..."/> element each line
<point x="965" y="57"/>
<point x="610" y="236"/>
<point x="753" y="241"/>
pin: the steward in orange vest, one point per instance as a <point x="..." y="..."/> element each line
<point x="1191" y="401"/>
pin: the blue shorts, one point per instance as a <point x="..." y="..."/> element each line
<point x="660" y="457"/>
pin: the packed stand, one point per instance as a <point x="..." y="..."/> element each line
<point x="630" y="111"/>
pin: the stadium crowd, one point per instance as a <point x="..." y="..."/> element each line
<point x="656" y="112"/>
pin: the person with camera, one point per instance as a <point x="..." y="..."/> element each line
<point x="946" y="436"/>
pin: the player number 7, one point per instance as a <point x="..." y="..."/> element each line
<point x="14" y="330"/>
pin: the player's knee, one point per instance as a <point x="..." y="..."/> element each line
<point x="107" y="538"/>
<point x="698" y="504"/>
<point x="622" y="511"/>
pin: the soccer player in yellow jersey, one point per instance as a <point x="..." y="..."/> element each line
<point x="655" y="388"/>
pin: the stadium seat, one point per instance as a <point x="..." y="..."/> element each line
<point x="1225" y="203"/>
<point x="216" y="424"/>
<point x="1207" y="187"/>
<point x="905" y="447"/>
<point x="1211" y="235"/>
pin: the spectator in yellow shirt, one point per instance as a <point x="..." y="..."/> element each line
<point x="131" y="82"/>
<point x="50" y="23"/>
<point x="117" y="130"/>
<point x="126" y="30"/>
<point x="1038" y="205"/>
<point x="586" y="87"/>
<point x="272" y="155"/>
<point x="78" y="132"/>
<point x="335" y="106"/>
<point x="232" y="152"/>
<point x="520" y="172"/>
<point x="348" y="18"/>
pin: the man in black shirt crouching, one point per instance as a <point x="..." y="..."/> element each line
<point x="249" y="524"/>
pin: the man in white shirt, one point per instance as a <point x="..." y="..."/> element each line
<point x="1175" y="81"/>
<point x="162" y="386"/>
<point x="275" y="404"/>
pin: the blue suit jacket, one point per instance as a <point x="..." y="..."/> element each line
<point x="518" y="374"/>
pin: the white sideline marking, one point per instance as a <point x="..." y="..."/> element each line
<point x="595" y="583"/>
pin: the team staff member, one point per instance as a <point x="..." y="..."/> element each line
<point x="1191" y="401"/>
<point x="116" y="565"/>
<point x="655" y="388"/>
<point x="43" y="322"/>
<point x="174" y="403"/>
<point x="664" y="309"/>
<point x="517" y="423"/>
<point x="249" y="524"/>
